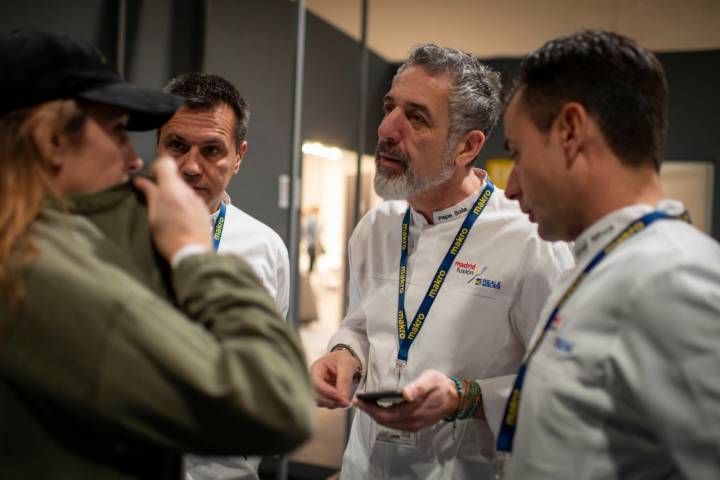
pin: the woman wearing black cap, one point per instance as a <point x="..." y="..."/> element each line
<point x="100" y="376"/>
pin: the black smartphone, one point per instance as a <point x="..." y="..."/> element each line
<point x="384" y="396"/>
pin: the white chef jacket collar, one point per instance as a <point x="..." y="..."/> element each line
<point x="457" y="211"/>
<point x="601" y="232"/>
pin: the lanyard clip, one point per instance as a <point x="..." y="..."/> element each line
<point x="399" y="364"/>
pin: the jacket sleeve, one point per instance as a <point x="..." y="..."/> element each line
<point x="671" y="361"/>
<point x="226" y="376"/>
<point x="353" y="329"/>
<point x="282" y="299"/>
<point x="234" y="381"/>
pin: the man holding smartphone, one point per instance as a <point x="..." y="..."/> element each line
<point x="446" y="283"/>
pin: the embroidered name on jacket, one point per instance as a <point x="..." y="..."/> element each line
<point x="456" y="213"/>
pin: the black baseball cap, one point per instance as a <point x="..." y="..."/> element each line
<point x="37" y="66"/>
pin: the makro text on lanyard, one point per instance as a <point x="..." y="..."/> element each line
<point x="509" y="424"/>
<point x="408" y="333"/>
<point x="218" y="226"/>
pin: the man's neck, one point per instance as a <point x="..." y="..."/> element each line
<point x="627" y="187"/>
<point x="214" y="207"/>
<point x="460" y="186"/>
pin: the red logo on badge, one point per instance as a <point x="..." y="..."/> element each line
<point x="465" y="268"/>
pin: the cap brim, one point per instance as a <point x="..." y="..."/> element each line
<point x="148" y="108"/>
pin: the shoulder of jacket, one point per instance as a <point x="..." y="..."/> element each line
<point x="254" y="223"/>
<point x="387" y="213"/>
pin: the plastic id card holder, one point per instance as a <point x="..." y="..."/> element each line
<point x="390" y="435"/>
<point x="500" y="466"/>
<point x="397" y="437"/>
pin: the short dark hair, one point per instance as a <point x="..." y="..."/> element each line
<point x="474" y="97"/>
<point x="204" y="91"/>
<point x="622" y="86"/>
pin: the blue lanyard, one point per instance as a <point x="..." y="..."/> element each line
<point x="218" y="226"/>
<point x="408" y="333"/>
<point x="507" y="429"/>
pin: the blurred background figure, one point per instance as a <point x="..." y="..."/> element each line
<point x="312" y="236"/>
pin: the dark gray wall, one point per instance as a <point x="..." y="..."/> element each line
<point x="252" y="44"/>
<point x="147" y="42"/>
<point x="330" y="99"/>
<point x="332" y="82"/>
<point x="92" y="20"/>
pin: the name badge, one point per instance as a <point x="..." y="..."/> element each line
<point x="390" y="435"/>
<point x="397" y="437"/>
<point x="500" y="466"/>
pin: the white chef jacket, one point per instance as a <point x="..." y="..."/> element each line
<point x="261" y="247"/>
<point x="267" y="255"/>
<point x="477" y="328"/>
<point x="626" y="385"/>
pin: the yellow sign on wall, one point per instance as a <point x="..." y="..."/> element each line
<point x="499" y="170"/>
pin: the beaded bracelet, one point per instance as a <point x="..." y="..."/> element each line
<point x="469" y="400"/>
<point x="453" y="418"/>
<point x="459" y="388"/>
<point x="473" y="399"/>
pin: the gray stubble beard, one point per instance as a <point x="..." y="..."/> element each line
<point x="391" y="185"/>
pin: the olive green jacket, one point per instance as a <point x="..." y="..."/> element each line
<point x="103" y="377"/>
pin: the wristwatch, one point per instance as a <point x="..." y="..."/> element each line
<point x="357" y="376"/>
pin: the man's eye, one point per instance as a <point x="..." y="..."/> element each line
<point x="418" y="119"/>
<point x="176" y="146"/>
<point x="211" y="151"/>
<point x="387" y="108"/>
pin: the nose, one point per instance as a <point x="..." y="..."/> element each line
<point x="189" y="164"/>
<point x="135" y="165"/>
<point x="391" y="126"/>
<point x="132" y="161"/>
<point x="513" y="190"/>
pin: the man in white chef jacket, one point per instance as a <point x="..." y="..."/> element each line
<point x="206" y="138"/>
<point x="447" y="279"/>
<point x="622" y="381"/>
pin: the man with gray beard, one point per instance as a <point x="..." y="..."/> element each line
<point x="447" y="279"/>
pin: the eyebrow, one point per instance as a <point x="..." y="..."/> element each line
<point x="414" y="105"/>
<point x="423" y="108"/>
<point x="212" y="141"/>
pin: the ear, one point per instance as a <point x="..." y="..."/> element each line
<point x="53" y="146"/>
<point x="239" y="155"/>
<point x="468" y="147"/>
<point x="571" y="125"/>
